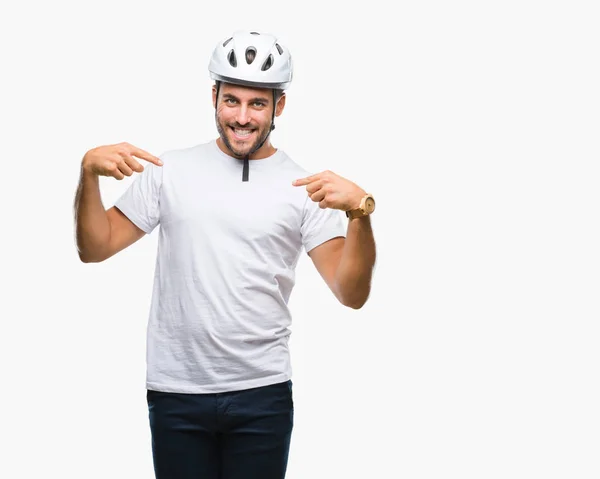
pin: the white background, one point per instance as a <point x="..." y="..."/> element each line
<point x="475" y="125"/>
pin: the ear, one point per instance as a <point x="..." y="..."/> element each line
<point x="214" y="96"/>
<point x="280" y="105"/>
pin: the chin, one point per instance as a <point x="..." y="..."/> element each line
<point x="240" y="148"/>
<point x="239" y="151"/>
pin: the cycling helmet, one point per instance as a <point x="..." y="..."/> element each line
<point x="252" y="59"/>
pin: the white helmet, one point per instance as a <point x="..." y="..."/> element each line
<point x="251" y="59"/>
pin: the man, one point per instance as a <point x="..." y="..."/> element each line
<point x="234" y="214"/>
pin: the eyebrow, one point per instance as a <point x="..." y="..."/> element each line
<point x="252" y="100"/>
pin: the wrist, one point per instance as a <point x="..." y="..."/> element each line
<point x="365" y="207"/>
<point x="86" y="172"/>
<point x="86" y="167"/>
<point x="359" y="219"/>
<point x="355" y="205"/>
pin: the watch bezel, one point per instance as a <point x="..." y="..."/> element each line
<point x="365" y="202"/>
<point x="362" y="209"/>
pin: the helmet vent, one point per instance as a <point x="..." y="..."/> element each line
<point x="250" y="55"/>
<point x="227" y="41"/>
<point x="268" y="63"/>
<point x="279" y="49"/>
<point x="254" y="33"/>
<point x="232" y="59"/>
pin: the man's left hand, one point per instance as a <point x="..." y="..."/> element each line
<point x="332" y="191"/>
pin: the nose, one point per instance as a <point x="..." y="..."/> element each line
<point x="243" y="115"/>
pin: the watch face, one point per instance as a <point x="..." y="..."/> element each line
<point x="369" y="205"/>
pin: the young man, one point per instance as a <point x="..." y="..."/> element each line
<point x="235" y="214"/>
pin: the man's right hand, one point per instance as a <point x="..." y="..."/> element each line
<point x="117" y="161"/>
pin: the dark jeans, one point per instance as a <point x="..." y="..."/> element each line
<point x="232" y="435"/>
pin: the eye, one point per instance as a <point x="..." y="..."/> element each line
<point x="231" y="101"/>
<point x="259" y="104"/>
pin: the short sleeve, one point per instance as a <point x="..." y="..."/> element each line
<point x="140" y="202"/>
<point x="320" y="225"/>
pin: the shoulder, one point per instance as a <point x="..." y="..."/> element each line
<point x="180" y="162"/>
<point x="280" y="177"/>
<point x="186" y="153"/>
<point x="290" y="169"/>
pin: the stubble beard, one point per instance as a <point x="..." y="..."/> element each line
<point x="224" y="132"/>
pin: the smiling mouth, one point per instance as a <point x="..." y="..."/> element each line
<point x="242" y="133"/>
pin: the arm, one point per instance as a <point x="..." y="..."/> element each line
<point x="355" y="270"/>
<point x="100" y="233"/>
<point x="347" y="264"/>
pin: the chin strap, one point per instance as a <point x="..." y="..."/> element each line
<point x="246" y="170"/>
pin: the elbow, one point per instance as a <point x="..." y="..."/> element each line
<point x="86" y="257"/>
<point x="92" y="250"/>
<point x="355" y="302"/>
<point x="354" y="299"/>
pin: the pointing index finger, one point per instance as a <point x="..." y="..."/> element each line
<point x="146" y="156"/>
<point x="305" y="181"/>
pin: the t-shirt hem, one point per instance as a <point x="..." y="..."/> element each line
<point x="217" y="388"/>
<point x="133" y="217"/>
<point x="322" y="239"/>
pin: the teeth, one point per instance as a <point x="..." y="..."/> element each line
<point x="239" y="132"/>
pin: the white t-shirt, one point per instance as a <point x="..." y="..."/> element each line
<point x="227" y="252"/>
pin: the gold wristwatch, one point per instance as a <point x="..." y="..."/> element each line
<point x="366" y="207"/>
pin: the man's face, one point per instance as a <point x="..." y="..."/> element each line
<point x="243" y="117"/>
